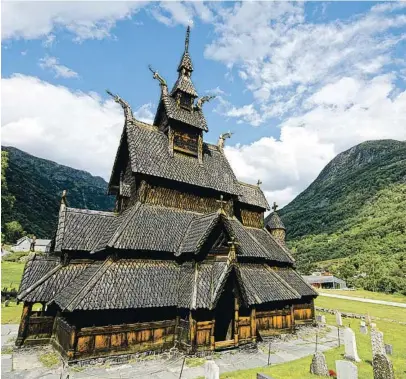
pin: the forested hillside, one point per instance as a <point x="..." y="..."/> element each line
<point x="355" y="209"/>
<point x="34" y="187"/>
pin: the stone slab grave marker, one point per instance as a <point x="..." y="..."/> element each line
<point x="263" y="376"/>
<point x="382" y="367"/>
<point x="339" y="319"/>
<point x="350" y="345"/>
<point x="346" y="370"/>
<point x="319" y="365"/>
<point x="211" y="370"/>
<point x="363" y="328"/>
<point x="378" y="346"/>
<point x="388" y="349"/>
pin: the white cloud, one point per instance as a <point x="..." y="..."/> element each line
<point x="343" y="114"/>
<point x="49" y="40"/>
<point x="59" y="70"/>
<point x="144" y="113"/>
<point x="276" y="52"/>
<point x="85" y="20"/>
<point x="173" y="13"/>
<point x="73" y="128"/>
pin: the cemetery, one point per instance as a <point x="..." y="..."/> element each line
<point x="381" y="352"/>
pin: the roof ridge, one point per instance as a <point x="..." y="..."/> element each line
<point x="78" y="297"/>
<point x="39" y="282"/>
<point x="123" y="224"/>
<point x="249" y="184"/>
<point x="91" y="211"/>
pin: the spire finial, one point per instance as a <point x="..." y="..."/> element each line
<point x="275" y="206"/>
<point x="187" y="38"/>
<point x="259" y="182"/>
<point x="63" y="198"/>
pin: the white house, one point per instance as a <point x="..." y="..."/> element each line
<point x="24" y="244"/>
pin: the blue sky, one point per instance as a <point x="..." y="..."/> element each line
<point x="296" y="82"/>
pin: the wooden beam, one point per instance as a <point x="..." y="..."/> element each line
<point x="253" y="325"/>
<point x="25" y="318"/>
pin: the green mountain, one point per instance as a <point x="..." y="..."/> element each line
<point x="37" y="185"/>
<point x="356" y="210"/>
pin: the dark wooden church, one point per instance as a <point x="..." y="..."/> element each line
<point x="185" y="259"/>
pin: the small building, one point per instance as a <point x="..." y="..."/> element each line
<point x="325" y="281"/>
<point x="32" y="244"/>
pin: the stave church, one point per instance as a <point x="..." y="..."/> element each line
<point x="185" y="260"/>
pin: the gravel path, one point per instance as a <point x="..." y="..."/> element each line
<point x="24" y="363"/>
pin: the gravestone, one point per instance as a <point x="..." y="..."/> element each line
<point x="319" y="365"/>
<point x="323" y="319"/>
<point x="263" y="376"/>
<point x="373" y="325"/>
<point x="369" y="321"/>
<point x="362" y="323"/>
<point x="382" y="367"/>
<point x="350" y="345"/>
<point x="388" y="349"/>
<point x="363" y="328"/>
<point x="346" y="370"/>
<point x="378" y="346"/>
<point x="339" y="319"/>
<point x="318" y="318"/>
<point x="211" y="370"/>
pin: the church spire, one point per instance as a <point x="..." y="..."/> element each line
<point x="184" y="91"/>
<point x="187" y="39"/>
<point x="185" y="66"/>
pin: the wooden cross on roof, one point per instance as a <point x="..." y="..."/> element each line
<point x="233" y="242"/>
<point x="232" y="257"/>
<point x="259" y="182"/>
<point x="222" y="202"/>
<point x="275" y="206"/>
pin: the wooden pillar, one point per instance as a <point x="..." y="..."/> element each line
<point x="212" y="338"/>
<point x="72" y="343"/>
<point x="313" y="310"/>
<point x="236" y="316"/>
<point x="22" y="330"/>
<point x="192" y="327"/>
<point x="292" y="316"/>
<point x="253" y="320"/>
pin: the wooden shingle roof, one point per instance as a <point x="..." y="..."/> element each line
<point x="146" y="227"/>
<point x="142" y="283"/>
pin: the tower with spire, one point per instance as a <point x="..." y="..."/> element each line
<point x="275" y="225"/>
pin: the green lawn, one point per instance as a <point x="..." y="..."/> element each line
<point x="11" y="314"/>
<point x="399" y="298"/>
<point x="393" y="333"/>
<point x="11" y="273"/>
<point x="382" y="311"/>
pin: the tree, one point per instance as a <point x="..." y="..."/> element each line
<point x="7" y="200"/>
<point x="13" y="231"/>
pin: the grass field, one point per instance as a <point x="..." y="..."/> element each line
<point x="398" y="298"/>
<point x="393" y="333"/>
<point x="11" y="273"/>
<point x="378" y="310"/>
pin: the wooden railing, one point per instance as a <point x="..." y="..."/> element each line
<point x="64" y="335"/>
<point x="39" y="328"/>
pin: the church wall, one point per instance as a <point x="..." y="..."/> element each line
<point x="180" y="197"/>
<point x="303" y="312"/>
<point x="252" y="218"/>
<point x="106" y="340"/>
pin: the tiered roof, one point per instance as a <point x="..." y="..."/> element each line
<point x="134" y="283"/>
